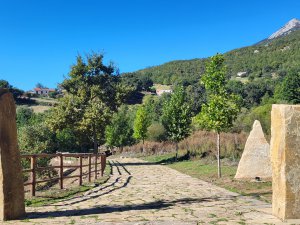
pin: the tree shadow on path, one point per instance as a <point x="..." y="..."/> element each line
<point x="157" y="205"/>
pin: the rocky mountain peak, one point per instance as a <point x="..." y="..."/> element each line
<point x="291" y="26"/>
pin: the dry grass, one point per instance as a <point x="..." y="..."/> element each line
<point x="39" y="108"/>
<point x="199" y="144"/>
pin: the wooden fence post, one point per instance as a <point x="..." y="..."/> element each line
<point x="80" y="170"/>
<point x="96" y="156"/>
<point x="33" y="174"/>
<point x="90" y="167"/>
<point x="61" y="171"/>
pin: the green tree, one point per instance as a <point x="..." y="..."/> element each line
<point x="119" y="132"/>
<point x="141" y="124"/>
<point x="24" y="115"/>
<point x="176" y="117"/>
<point x="93" y="93"/>
<point x="222" y="108"/>
<point x="289" y="89"/>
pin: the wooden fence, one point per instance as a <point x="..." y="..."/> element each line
<point x="93" y="161"/>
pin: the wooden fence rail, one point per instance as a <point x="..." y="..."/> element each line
<point x="61" y="156"/>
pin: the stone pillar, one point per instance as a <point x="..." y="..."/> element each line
<point x="11" y="179"/>
<point x="285" y="157"/>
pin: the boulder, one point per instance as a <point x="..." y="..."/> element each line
<point x="11" y="179"/>
<point x="285" y="157"/>
<point x="255" y="162"/>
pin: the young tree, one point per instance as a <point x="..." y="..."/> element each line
<point x="222" y="108"/>
<point x="119" y="132"/>
<point x="176" y="117"/>
<point x="93" y="93"/>
<point x="141" y="124"/>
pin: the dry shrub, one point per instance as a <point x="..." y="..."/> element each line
<point x="202" y="143"/>
<point x="199" y="144"/>
<point x="150" y="148"/>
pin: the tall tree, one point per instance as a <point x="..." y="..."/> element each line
<point x="93" y="93"/>
<point x="222" y="108"/>
<point x="176" y="117"/>
<point x="141" y="123"/>
<point x="119" y="132"/>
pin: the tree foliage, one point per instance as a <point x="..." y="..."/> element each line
<point x="119" y="132"/>
<point x="177" y="115"/>
<point x="289" y="89"/>
<point x="141" y="123"/>
<point x="222" y="108"/>
<point x="93" y="93"/>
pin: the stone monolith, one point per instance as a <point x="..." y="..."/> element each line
<point x="285" y="155"/>
<point x="255" y="161"/>
<point x="11" y="180"/>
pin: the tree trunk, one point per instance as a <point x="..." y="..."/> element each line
<point x="95" y="139"/>
<point x="143" y="145"/>
<point x="176" y="149"/>
<point x="218" y="155"/>
<point x="235" y="145"/>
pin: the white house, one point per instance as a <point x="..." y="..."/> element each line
<point x="160" y="92"/>
<point x="43" y="91"/>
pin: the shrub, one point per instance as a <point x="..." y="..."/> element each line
<point x="156" y="132"/>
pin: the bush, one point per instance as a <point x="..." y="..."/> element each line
<point x="156" y="132"/>
<point x="246" y="119"/>
<point x="36" y="139"/>
<point x="24" y="115"/>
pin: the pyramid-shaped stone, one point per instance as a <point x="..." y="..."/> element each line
<point x="255" y="161"/>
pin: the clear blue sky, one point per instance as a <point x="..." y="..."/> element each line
<point x="39" y="39"/>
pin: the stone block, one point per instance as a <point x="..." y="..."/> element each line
<point x="11" y="179"/>
<point x="285" y="157"/>
<point x="255" y="161"/>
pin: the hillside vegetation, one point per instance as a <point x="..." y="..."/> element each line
<point x="266" y="59"/>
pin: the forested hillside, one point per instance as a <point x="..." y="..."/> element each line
<point x="266" y="59"/>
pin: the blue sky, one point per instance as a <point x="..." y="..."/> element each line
<point x="39" y="39"/>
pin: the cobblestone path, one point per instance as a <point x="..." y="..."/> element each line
<point x="142" y="193"/>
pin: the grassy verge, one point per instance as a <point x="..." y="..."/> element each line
<point x="207" y="171"/>
<point x="55" y="195"/>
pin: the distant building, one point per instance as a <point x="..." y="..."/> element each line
<point x="43" y="91"/>
<point x="242" y="74"/>
<point x="160" y="92"/>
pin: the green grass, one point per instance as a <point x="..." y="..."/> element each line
<point x="51" y="196"/>
<point x="200" y="170"/>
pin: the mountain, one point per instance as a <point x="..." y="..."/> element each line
<point x="291" y="26"/>
<point x="270" y="58"/>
